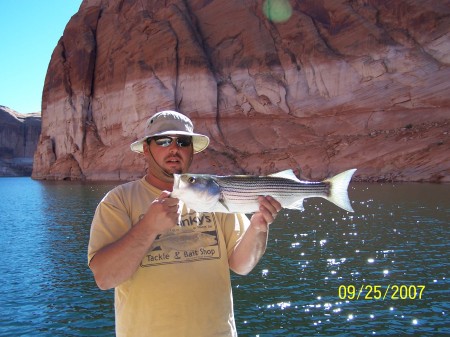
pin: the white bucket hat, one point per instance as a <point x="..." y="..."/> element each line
<point x="167" y="123"/>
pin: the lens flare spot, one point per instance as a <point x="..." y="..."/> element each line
<point x="277" y="11"/>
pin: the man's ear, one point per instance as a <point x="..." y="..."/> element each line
<point x="146" y="148"/>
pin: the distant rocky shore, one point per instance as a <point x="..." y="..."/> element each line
<point x="19" y="135"/>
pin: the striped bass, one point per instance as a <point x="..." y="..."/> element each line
<point x="239" y="193"/>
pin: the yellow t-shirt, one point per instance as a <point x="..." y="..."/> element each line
<point x="182" y="287"/>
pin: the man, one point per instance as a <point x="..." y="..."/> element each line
<point x="170" y="265"/>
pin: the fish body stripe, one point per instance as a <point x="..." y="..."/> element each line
<point x="241" y="189"/>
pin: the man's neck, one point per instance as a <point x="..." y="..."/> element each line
<point x="158" y="183"/>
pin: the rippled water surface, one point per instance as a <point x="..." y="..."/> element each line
<point x="382" y="270"/>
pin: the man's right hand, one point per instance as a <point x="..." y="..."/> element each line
<point x="162" y="214"/>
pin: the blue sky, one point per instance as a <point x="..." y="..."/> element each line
<point x="29" y="31"/>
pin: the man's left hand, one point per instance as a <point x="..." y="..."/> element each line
<point x="268" y="210"/>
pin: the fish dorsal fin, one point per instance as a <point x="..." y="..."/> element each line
<point x="286" y="174"/>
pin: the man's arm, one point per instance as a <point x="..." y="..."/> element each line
<point x="252" y="245"/>
<point x="117" y="262"/>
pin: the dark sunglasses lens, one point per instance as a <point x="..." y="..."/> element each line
<point x="163" y="141"/>
<point x="166" y="141"/>
<point x="184" y="141"/>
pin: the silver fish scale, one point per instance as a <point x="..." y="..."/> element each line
<point x="248" y="188"/>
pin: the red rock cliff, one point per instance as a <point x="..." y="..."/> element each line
<point x="19" y="135"/>
<point x="341" y="84"/>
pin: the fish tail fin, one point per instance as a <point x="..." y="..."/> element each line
<point x="338" y="189"/>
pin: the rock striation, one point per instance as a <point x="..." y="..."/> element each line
<point x="339" y="84"/>
<point x="19" y="135"/>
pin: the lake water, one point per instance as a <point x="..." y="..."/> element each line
<point x="382" y="270"/>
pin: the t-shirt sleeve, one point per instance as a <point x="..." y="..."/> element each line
<point x="111" y="221"/>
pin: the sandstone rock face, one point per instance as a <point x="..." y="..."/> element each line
<point x="19" y="136"/>
<point x="340" y="84"/>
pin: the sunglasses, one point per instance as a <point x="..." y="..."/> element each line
<point x="165" y="141"/>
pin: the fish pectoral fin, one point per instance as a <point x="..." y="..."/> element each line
<point x="286" y="174"/>
<point x="222" y="202"/>
<point x="298" y="205"/>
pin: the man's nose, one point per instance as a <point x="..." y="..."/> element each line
<point x="173" y="147"/>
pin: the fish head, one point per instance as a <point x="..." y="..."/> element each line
<point x="199" y="192"/>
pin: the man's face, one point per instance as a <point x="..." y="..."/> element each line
<point x="172" y="153"/>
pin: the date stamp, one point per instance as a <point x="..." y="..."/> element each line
<point x="380" y="292"/>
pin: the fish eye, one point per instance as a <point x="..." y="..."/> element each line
<point x="191" y="180"/>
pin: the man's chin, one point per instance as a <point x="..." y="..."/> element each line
<point x="174" y="170"/>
